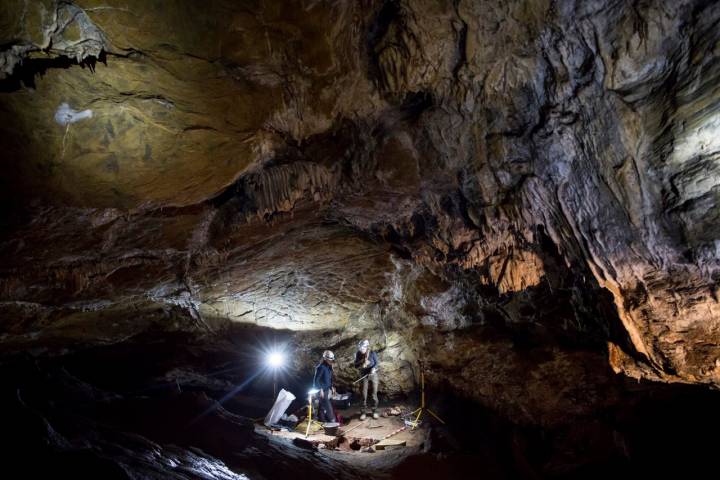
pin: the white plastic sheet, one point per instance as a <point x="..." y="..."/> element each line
<point x="282" y="402"/>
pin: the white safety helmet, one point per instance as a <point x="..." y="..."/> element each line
<point x="328" y="355"/>
<point x="363" y="346"/>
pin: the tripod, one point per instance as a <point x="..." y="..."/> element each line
<point x="418" y="413"/>
<point x="310" y="420"/>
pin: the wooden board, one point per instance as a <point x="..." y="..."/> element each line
<point x="390" y="443"/>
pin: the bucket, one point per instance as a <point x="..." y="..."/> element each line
<point x="331" y="428"/>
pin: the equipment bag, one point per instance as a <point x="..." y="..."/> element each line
<point x="283" y="401"/>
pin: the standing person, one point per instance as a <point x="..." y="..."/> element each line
<point x="323" y="380"/>
<point x="367" y="363"/>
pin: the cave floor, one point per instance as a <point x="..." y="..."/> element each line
<point x="355" y="436"/>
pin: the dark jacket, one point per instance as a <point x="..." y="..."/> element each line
<point x="372" y="362"/>
<point x="323" y="378"/>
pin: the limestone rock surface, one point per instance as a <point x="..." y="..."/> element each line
<point x="521" y="195"/>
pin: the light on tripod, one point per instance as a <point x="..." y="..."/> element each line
<point x="275" y="360"/>
<point x="310" y="420"/>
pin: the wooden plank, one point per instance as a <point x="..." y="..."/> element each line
<point x="390" y="443"/>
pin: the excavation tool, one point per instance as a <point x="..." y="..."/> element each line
<point x="418" y="413"/>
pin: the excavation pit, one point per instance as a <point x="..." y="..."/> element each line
<point x="356" y="437"/>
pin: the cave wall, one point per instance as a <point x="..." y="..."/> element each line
<point x="492" y="185"/>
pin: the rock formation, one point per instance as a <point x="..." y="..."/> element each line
<point x="523" y="195"/>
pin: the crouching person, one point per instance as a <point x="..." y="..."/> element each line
<point x="323" y="380"/>
<point x="367" y="364"/>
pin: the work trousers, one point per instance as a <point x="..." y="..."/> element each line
<point x="326" y="414"/>
<point x="372" y="378"/>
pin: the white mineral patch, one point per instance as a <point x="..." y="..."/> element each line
<point x="65" y="115"/>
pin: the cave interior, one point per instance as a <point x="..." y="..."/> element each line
<point x="514" y="201"/>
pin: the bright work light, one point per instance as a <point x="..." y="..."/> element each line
<point x="275" y="360"/>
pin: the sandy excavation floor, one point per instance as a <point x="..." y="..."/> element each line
<point x="357" y="441"/>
